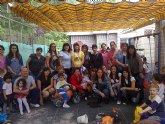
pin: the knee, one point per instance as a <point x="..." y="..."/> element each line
<point x="45" y="94"/>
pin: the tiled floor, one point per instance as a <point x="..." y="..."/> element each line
<point x="49" y="114"/>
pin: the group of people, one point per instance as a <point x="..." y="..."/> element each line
<point x="108" y="74"/>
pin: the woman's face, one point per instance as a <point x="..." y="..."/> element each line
<point x="92" y="73"/>
<point x="131" y="51"/>
<point x="39" y="52"/>
<point x="104" y="68"/>
<point x="124" y="47"/>
<point x="99" y="73"/>
<point x="53" y="47"/>
<point x="94" y="49"/>
<point x="84" y="49"/>
<point x="77" y="72"/>
<point x="104" y="47"/>
<point x="46" y="73"/>
<point x="76" y="47"/>
<point x="113" y="46"/>
<point x="125" y="74"/>
<point x="14" y="49"/>
<point x="113" y="70"/>
<point x="66" y="48"/>
<point x="20" y="84"/>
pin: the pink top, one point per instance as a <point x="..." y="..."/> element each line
<point x="2" y="62"/>
<point x="105" y="56"/>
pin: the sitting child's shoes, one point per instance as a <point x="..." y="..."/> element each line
<point x="66" y="105"/>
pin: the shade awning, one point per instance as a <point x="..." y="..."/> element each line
<point x="90" y="17"/>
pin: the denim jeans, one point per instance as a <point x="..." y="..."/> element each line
<point x="33" y="96"/>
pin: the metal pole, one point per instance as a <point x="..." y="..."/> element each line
<point x="10" y="31"/>
<point x="150" y="52"/>
<point x="159" y="50"/>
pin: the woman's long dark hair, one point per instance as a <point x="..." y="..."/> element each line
<point x="64" y="45"/>
<point x="11" y="55"/>
<point x="123" y="78"/>
<point x="43" y="75"/>
<point x="116" y="75"/>
<point x="103" y="76"/>
<point x="50" y="47"/>
<point x="128" y="54"/>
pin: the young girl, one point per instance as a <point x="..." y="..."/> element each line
<point x="62" y="87"/>
<point x="85" y="80"/>
<point x="7" y="92"/>
<point x="115" y="79"/>
<point x="21" y="84"/>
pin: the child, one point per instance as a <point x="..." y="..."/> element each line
<point x="60" y="69"/>
<point x="85" y="79"/>
<point x="7" y="92"/>
<point x="154" y="107"/>
<point x="21" y="85"/>
<point x="61" y="88"/>
<point x="156" y="79"/>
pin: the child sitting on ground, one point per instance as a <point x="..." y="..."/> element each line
<point x="62" y="86"/>
<point x="21" y="85"/>
<point x="153" y="108"/>
<point x="7" y="92"/>
<point x="157" y="79"/>
<point x="85" y="80"/>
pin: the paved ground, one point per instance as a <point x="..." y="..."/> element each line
<point x="49" y="114"/>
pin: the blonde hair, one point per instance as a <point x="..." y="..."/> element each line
<point x="154" y="86"/>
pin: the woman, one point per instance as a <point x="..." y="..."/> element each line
<point x="92" y="74"/>
<point x="44" y="84"/>
<point x="115" y="79"/>
<point x="87" y="56"/>
<point x="121" y="60"/>
<point x="65" y="59"/>
<point x="104" y="53"/>
<point x="75" y="79"/>
<point x="129" y="89"/>
<point x="135" y="65"/>
<point x="2" y="58"/>
<point x="52" y="58"/>
<point x="14" y="61"/>
<point x="101" y="87"/>
<point x="77" y="56"/>
<point x="106" y="72"/>
<point x="112" y="54"/>
<point x="96" y="58"/>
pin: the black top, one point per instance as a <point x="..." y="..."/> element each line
<point x="96" y="60"/>
<point x="44" y="83"/>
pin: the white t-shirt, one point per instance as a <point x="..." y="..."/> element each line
<point x="116" y="80"/>
<point x="66" y="59"/>
<point x="60" y="84"/>
<point x="147" y="70"/>
<point x="8" y="88"/>
<point x="132" y="79"/>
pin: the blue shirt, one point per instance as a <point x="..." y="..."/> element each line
<point x="122" y="59"/>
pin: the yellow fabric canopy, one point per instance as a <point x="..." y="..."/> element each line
<point x="92" y="17"/>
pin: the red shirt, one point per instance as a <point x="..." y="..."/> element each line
<point x="76" y="81"/>
<point x="20" y="95"/>
<point x="112" y="57"/>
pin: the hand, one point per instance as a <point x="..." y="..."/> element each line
<point x="136" y="89"/>
<point x="102" y="94"/>
<point x="123" y="88"/>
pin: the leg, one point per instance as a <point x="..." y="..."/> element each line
<point x="66" y="98"/>
<point x="4" y="107"/>
<point x="34" y="96"/>
<point x="20" y="105"/>
<point x="26" y="104"/>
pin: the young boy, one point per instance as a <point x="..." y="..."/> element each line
<point x="7" y="92"/>
<point x="62" y="87"/>
<point x="154" y="107"/>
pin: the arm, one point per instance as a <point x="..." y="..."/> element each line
<point x="47" y="61"/>
<point x="82" y="62"/>
<point x="33" y="86"/>
<point x="72" y="59"/>
<point x="60" y="59"/>
<point x="4" y="94"/>
<point x="119" y="63"/>
<point x="146" y="110"/>
<point x="101" y="59"/>
<point x="132" y="88"/>
<point x="16" y="90"/>
<point x="27" y="63"/>
<point x="143" y="105"/>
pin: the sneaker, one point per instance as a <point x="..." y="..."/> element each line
<point x="124" y="103"/>
<point x="21" y="113"/>
<point x="118" y="102"/>
<point x="86" y="98"/>
<point x="66" y="105"/>
<point x="35" y="105"/>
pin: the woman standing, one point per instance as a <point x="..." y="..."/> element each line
<point x="2" y="58"/>
<point x="135" y="65"/>
<point x="104" y="53"/>
<point x="14" y="61"/>
<point x="112" y="54"/>
<point x="52" y="58"/>
<point x="121" y="60"/>
<point x="77" y="56"/>
<point x="87" y="56"/>
<point x="65" y="58"/>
